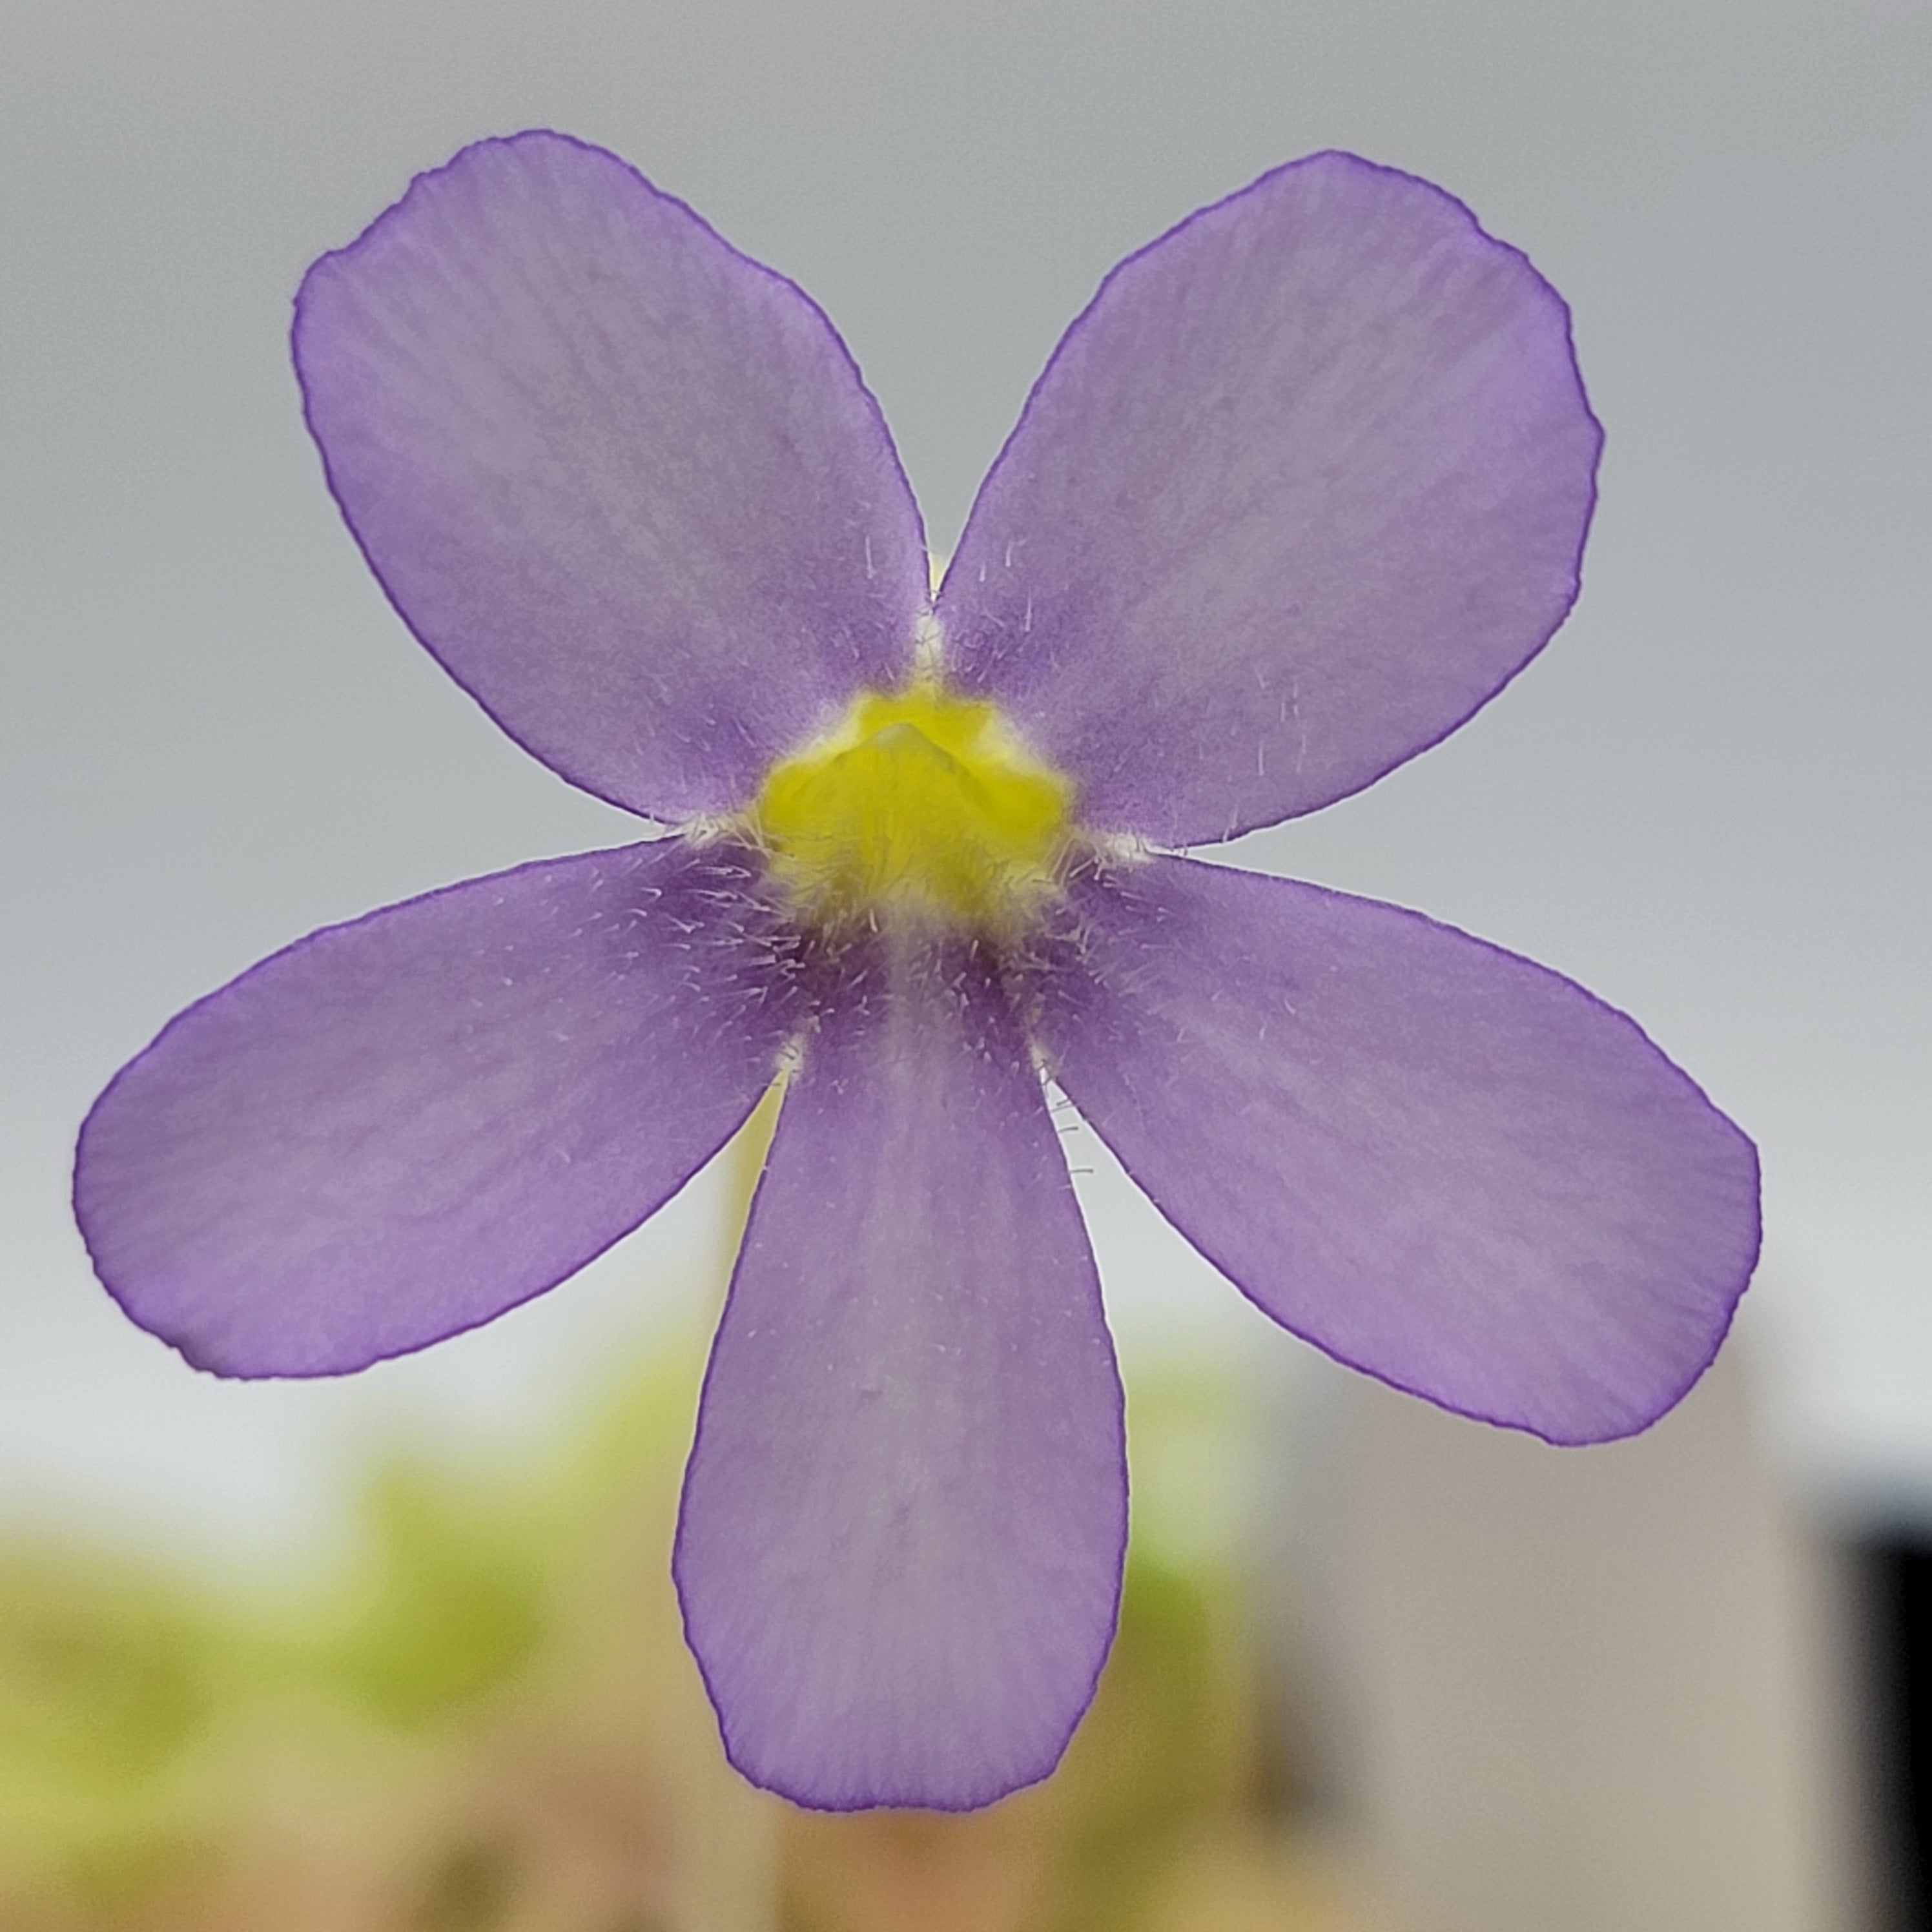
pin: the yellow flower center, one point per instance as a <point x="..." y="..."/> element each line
<point x="920" y="803"/>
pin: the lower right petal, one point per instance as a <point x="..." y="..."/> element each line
<point x="1439" y="1163"/>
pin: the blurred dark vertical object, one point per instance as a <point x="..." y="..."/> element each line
<point x="1898" y="1603"/>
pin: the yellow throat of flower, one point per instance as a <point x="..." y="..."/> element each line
<point x="920" y="803"/>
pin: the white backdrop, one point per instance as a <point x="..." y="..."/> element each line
<point x="1709" y="801"/>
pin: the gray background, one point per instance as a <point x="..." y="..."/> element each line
<point x="1708" y="801"/>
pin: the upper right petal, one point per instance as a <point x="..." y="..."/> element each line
<point x="624" y="483"/>
<point x="1306" y="485"/>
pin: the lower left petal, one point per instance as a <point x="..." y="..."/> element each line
<point x="401" y="1127"/>
<point x="900" y="1550"/>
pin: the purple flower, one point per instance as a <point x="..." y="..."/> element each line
<point x="1306" y="485"/>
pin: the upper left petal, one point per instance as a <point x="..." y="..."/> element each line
<point x="623" y="482"/>
<point x="399" y="1128"/>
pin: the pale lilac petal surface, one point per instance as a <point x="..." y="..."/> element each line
<point x="1304" y="486"/>
<point x="900" y="1550"/>
<point x="625" y="483"/>
<point x="1437" y="1161"/>
<point x="401" y="1127"/>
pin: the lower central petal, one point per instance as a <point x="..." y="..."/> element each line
<point x="899" y="1553"/>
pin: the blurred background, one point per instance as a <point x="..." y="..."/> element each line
<point x="399" y="1652"/>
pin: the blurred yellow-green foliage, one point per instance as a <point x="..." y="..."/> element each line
<point x="488" y="1722"/>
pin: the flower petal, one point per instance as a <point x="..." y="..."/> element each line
<point x="900" y="1549"/>
<point x="401" y="1127"/>
<point x="1306" y="485"/>
<point x="623" y="482"/>
<point x="1436" y="1161"/>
